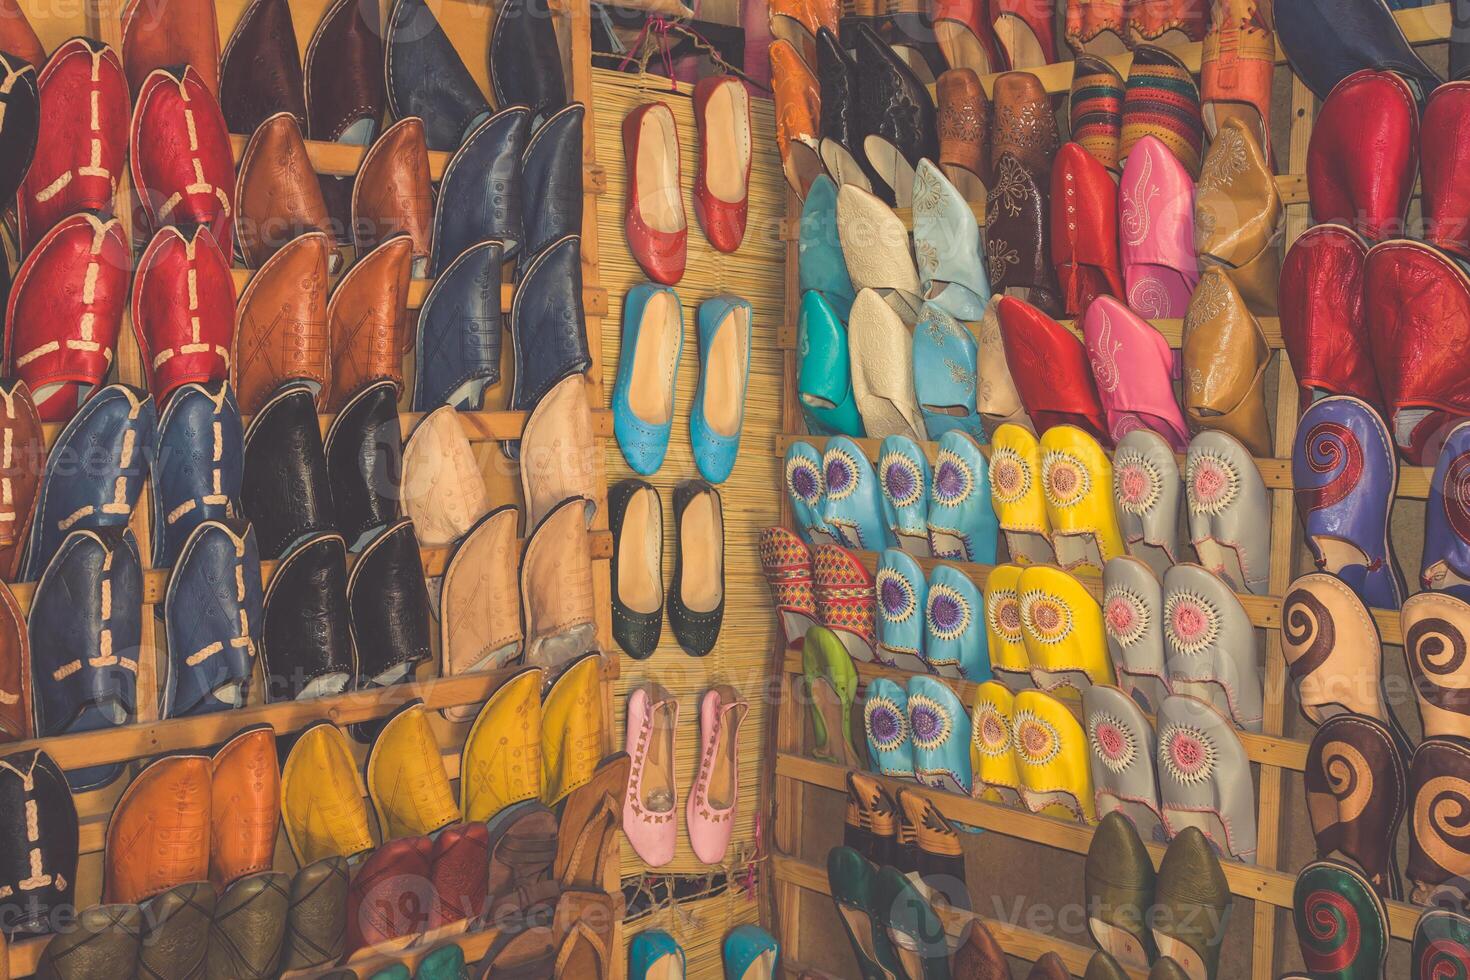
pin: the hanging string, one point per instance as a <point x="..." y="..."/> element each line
<point x="654" y="39"/>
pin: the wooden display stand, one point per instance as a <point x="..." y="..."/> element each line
<point x="1267" y="884"/>
<point x="468" y="25"/>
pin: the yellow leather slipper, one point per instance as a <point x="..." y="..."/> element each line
<point x="1063" y="627"/>
<point x="1077" y="484"/>
<point x="501" y="764"/>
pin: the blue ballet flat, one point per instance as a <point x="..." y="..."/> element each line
<point x="822" y="267"/>
<point x="806" y="489"/>
<point x="886" y="720"/>
<point x="648" y="952"/>
<point x="719" y="401"/>
<point x="945" y="358"/>
<point x="901" y="593"/>
<point x="954" y="627"/>
<point x="645" y="442"/>
<point x="824" y="370"/>
<point x="962" y="521"/>
<point x="751" y="953"/>
<point x="903" y="473"/>
<point x="854" y="506"/>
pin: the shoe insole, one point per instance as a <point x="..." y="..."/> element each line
<point x="1020" y="42"/>
<point x="1216" y="113"/>
<point x="651" y="388"/>
<point x="640" y="550"/>
<point x="763" y="967"/>
<point x="843" y="166"/>
<point x="667" y="967"/>
<point x="860" y="933"/>
<point x="962" y="49"/>
<point x="701" y="539"/>
<point x="1183" y="954"/>
<point x="1029" y="547"/>
<point x="857" y="648"/>
<point x="725" y="373"/>
<point x="721" y="792"/>
<point x="659" y="203"/>
<point x="794" y="626"/>
<point x="892" y="168"/>
<point x="1120" y="943"/>
<point x="967" y="182"/>
<point x="794" y="33"/>
<point x="1105" y="43"/>
<point x="727" y="142"/>
<point x="1078" y="551"/>
<point x="658" y="774"/>
<point x="1338" y="554"/>
<point x="1222" y="560"/>
<point x="802" y="165"/>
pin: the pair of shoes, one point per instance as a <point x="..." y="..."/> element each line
<point x="649" y="813"/>
<point x="1044" y="629"/>
<point x="1030" y="750"/>
<point x="1176" y="916"/>
<point x="920" y="732"/>
<point x="887" y="918"/>
<point x="1194" y="773"/>
<point x="1109" y="27"/>
<point x="648" y="367"/>
<point x="944" y="512"/>
<point x="832" y="588"/>
<point x="696" y="597"/>
<point x="929" y="625"/>
<point x="655" y="225"/>
<point x="831" y="687"/>
<point x="910" y="834"/>
<point x="1184" y="632"/>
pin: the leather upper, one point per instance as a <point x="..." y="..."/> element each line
<point x="501" y="764"/>
<point x="1417" y="303"/>
<point x="1017" y="243"/>
<point x="1024" y="125"/>
<point x="183" y="310"/>
<point x="38" y="859"/>
<point x="196" y="472"/>
<point x="343" y="71"/>
<point x="392" y="194"/>
<point x="277" y="193"/>
<point x="390" y="896"/>
<point x="893" y="104"/>
<point x="285" y="492"/>
<point x="1445" y="153"/>
<point x="1364" y="154"/>
<point x="1445" y="560"/>
<point x="557" y="606"/>
<point x="1327" y="40"/>
<point x="18" y="37"/>
<point x="178" y="32"/>
<point x="1156" y="219"/>
<point x="1095" y="109"/>
<point x="547" y="325"/>
<point x="1435" y="625"/>
<point x="68" y="174"/>
<point x="20" y="472"/>
<point x="158" y="836"/>
<point x="367" y="322"/>
<point x="1205" y="777"/>
<point x="306" y="633"/>
<point x="460" y="873"/>
<point x="1049" y="365"/>
<point x="65" y="310"/>
<point x="390" y="607"/>
<point x="260" y="68"/>
<point x="551" y="170"/>
<point x="316" y="921"/>
<point x="1439" y="778"/>
<point x="479" y="603"/>
<point x="212" y="617"/>
<point x="427" y="79"/>
<point x="1225" y="357"/>
<point x="248" y="927"/>
<point x="1332" y="650"/>
<point x="179" y="149"/>
<point x="1237" y="208"/>
<point x="558" y="456"/>
<point x="441" y="487"/>
<point x="245" y="806"/>
<point x="1147" y="492"/>
<point x="1134" y="369"/>
<point x="1357" y="792"/>
<point x="963" y="121"/>
<point x="481" y="194"/>
<point x="405" y="776"/>
<point x="459" y="332"/>
<point x="1084" y="229"/>
<point x="113" y="438"/>
<point x="364" y="449"/>
<point x="571" y="729"/>
<point x="1208" y="645"/>
<point x="1322" y="316"/>
<point x="20" y="98"/>
<point x="525" y="62"/>
<point x="281" y="324"/>
<point x="322" y="806"/>
<point x="15" y="671"/>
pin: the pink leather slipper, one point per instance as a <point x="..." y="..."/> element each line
<point x="1157" y="228"/>
<point x="1134" y="370"/>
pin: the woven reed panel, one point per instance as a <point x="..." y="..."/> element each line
<point x="700" y="926"/>
<point x="751" y="496"/>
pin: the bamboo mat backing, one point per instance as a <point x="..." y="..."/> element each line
<point x="751" y="496"/>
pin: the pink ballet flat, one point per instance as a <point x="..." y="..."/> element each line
<point x="1157" y="227"/>
<point x="1134" y="370"/>
<point x="709" y="814"/>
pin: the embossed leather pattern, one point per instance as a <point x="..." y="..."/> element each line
<point x="392" y="194"/>
<point x="277" y="193"/>
<point x="94" y="474"/>
<point x="248" y="926"/>
<point x="547" y="326"/>
<point x="556" y="587"/>
<point x="212" y="617"/>
<point x="260" y="68"/>
<point x="364" y="451"/>
<point x="285" y="492"/>
<point x="281" y="324"/>
<point x="406" y="779"/>
<point x="38" y="846"/>
<point x="427" y="79"/>
<point x="390" y="895"/>
<point x="390" y="608"/>
<point x="441" y="487"/>
<point x="480" y="601"/>
<point x="893" y="104"/>
<point x="183" y="311"/>
<point x="82" y="84"/>
<point x="501" y="764"/>
<point x="458" y="339"/>
<point x="1024" y="125"/>
<point x="245" y="807"/>
<point x="59" y="336"/>
<point x="175" y="32"/>
<point x="552" y="166"/>
<point x="158" y="835"/>
<point x="1017" y="241"/>
<point x="481" y="193"/>
<point x="22" y="460"/>
<point x="367" y="320"/>
<point x="525" y="63"/>
<point x="106" y="939"/>
<point x="306" y="638"/>
<point x="176" y="933"/>
<point x="459" y="873"/>
<point x="325" y="819"/>
<point x="179" y="150"/>
<point x="197" y="470"/>
<point x="316" y="922"/>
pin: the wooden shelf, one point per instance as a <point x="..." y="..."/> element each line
<point x="594" y="298"/>
<point x="1246" y="880"/>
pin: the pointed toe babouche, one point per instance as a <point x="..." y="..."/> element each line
<point x="1236" y="212"/>
<point x="1134" y="370"/>
<point x="1049" y="365"/>
<point x="1323" y="319"/>
<point x="1119" y="881"/>
<point x="1156" y="198"/>
<point x="1225" y="356"/>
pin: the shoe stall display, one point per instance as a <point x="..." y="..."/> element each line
<point x="1102" y="443"/>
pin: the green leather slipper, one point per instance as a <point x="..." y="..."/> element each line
<point x="916" y="932"/>
<point x="1341" y="923"/>
<point x="852" y="879"/>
